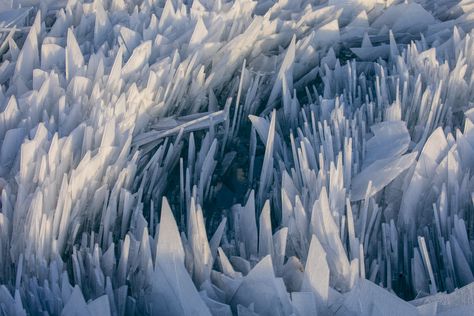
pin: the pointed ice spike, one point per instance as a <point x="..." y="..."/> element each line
<point x="393" y="46"/>
<point x="325" y="228"/>
<point x="260" y="282"/>
<point x="286" y="70"/>
<point x="171" y="282"/>
<point x="265" y="241"/>
<point x="102" y="25"/>
<point x="76" y="305"/>
<point x="169" y="245"/>
<point x="248" y="225"/>
<point x="462" y="269"/>
<point x="74" y="58"/>
<point x="366" y="43"/>
<point x="316" y="274"/>
<point x="266" y="174"/>
<point x="113" y="82"/>
<point x="199" y="244"/>
<point x="199" y="33"/>
<point x="225" y="265"/>
<point x="279" y="247"/>
<point x="28" y="59"/>
<point x="217" y="237"/>
<point x="261" y="126"/>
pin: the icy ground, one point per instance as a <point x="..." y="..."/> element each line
<point x="214" y="157"/>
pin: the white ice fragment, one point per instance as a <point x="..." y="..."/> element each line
<point x="316" y="274"/>
<point x="380" y="174"/>
<point x="391" y="139"/>
<point x="226" y="266"/>
<point x="173" y="292"/>
<point x="52" y="55"/>
<point x="74" y="59"/>
<point x="265" y="240"/>
<point x="199" y="244"/>
<point x="248" y="225"/>
<point x="215" y="307"/>
<point x="199" y="34"/>
<point x="285" y="73"/>
<point x="266" y="173"/>
<point x="172" y="127"/>
<point x="293" y="274"/>
<point x="102" y="25"/>
<point x="327" y="232"/>
<point x="216" y="238"/>
<point x="28" y="59"/>
<point x="76" y="305"/>
<point x="130" y="38"/>
<point x="261" y="288"/>
<point x="139" y="59"/>
<point x="10" y="148"/>
<point x="100" y="306"/>
<point x="366" y="298"/>
<point x="445" y="302"/>
<point x="261" y="126"/>
<point x="405" y="17"/>
<point x="169" y="247"/>
<point x="304" y="303"/>
<point x="327" y="34"/>
<point x="279" y="247"/>
<point x="433" y="152"/>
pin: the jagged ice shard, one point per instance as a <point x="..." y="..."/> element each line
<point x="237" y="157"/>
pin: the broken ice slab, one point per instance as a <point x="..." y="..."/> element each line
<point x="100" y="306"/>
<point x="293" y="274"/>
<point x="391" y="139"/>
<point x="247" y="225"/>
<point x="405" y="17"/>
<point x="52" y="55"/>
<point x="316" y="274"/>
<point x="28" y="59"/>
<point x="173" y="291"/>
<point x="463" y="297"/>
<point x="326" y="230"/>
<point x="170" y="126"/>
<point x="372" y="53"/>
<point x="14" y="17"/>
<point x="261" y="288"/>
<point x="10" y="148"/>
<point x="74" y="58"/>
<point x="304" y="303"/>
<point x="76" y="305"/>
<point x="137" y="61"/>
<point x="380" y="174"/>
<point x="216" y="308"/>
<point x="434" y="150"/>
<point x="366" y="298"/>
<point x="465" y="310"/>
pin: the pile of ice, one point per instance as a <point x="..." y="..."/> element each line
<point x="215" y="157"/>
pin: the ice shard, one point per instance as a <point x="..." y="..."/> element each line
<point x="241" y="157"/>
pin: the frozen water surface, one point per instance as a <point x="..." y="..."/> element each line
<point x="198" y="157"/>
